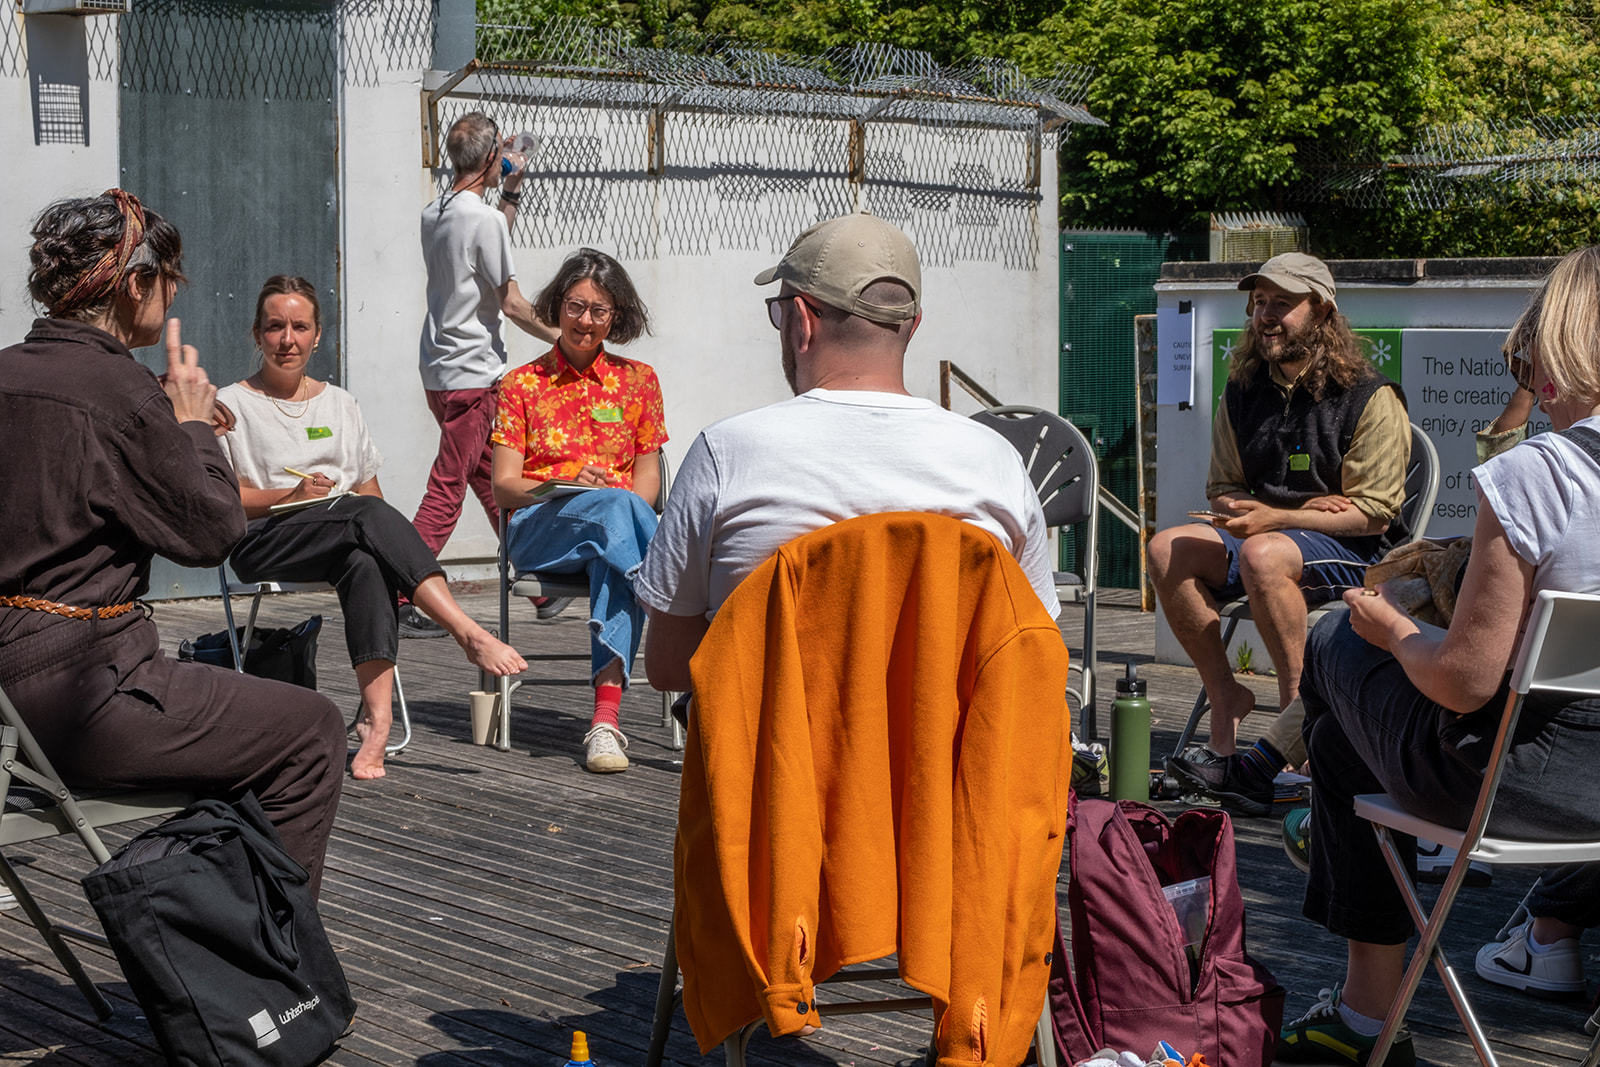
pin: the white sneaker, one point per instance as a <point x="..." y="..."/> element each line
<point x="7" y="900"/>
<point x="1556" y="972"/>
<point x="602" y="750"/>
<point x="1434" y="861"/>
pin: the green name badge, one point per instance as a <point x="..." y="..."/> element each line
<point x="1299" y="462"/>
<point x="607" y="414"/>
<point x="317" y="433"/>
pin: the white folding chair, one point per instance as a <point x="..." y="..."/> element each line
<point x="1422" y="489"/>
<point x="1558" y="655"/>
<point x="37" y="805"/>
<point x="236" y="640"/>
<point x="546" y="584"/>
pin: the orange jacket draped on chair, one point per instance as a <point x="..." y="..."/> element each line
<point x="878" y="761"/>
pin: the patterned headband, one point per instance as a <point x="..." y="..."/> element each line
<point x="100" y="281"/>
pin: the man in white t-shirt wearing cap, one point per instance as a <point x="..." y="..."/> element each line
<point x="1309" y="448"/>
<point x="851" y="442"/>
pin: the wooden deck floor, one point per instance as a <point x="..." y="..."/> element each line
<point x="487" y="904"/>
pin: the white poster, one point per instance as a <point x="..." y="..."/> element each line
<point x="1456" y="383"/>
<point x="1175" y="354"/>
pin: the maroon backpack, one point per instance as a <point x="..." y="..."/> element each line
<point x="1131" y="983"/>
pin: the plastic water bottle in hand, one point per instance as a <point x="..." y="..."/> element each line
<point x="518" y="154"/>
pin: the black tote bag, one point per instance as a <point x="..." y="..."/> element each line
<point x="288" y="654"/>
<point x="220" y="941"/>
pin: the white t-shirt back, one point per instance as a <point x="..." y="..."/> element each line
<point x="466" y="249"/>
<point x="753" y="482"/>
<point x="329" y="437"/>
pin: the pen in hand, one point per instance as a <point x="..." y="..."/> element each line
<point x="297" y="474"/>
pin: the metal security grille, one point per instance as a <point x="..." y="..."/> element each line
<point x="1107" y="277"/>
<point x="709" y="146"/>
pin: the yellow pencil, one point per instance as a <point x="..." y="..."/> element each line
<point x="297" y="474"/>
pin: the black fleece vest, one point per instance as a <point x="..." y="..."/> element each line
<point x="1292" y="447"/>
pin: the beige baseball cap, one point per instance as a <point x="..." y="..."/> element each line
<point x="1296" y="272"/>
<point x="835" y="260"/>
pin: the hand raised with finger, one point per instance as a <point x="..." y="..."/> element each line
<point x="193" y="396"/>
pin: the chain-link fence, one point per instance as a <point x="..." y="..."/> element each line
<point x="713" y="145"/>
<point x="372" y="37"/>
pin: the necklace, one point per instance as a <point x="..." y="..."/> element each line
<point x="305" y="405"/>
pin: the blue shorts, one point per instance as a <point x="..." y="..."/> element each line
<point x="1330" y="565"/>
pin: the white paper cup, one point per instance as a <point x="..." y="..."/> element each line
<point x="483" y="715"/>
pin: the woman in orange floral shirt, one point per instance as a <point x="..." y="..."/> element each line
<point x="582" y="414"/>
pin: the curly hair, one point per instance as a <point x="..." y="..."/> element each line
<point x="71" y="236"/>
<point x="629" y="316"/>
<point x="1337" y="355"/>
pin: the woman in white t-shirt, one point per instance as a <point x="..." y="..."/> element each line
<point x="308" y="479"/>
<point x="1397" y="706"/>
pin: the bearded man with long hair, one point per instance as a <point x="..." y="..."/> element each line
<point x="1309" y="449"/>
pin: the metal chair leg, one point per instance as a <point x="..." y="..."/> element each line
<point x="405" y="717"/>
<point x="1044" y="1038"/>
<point x="1201" y="702"/>
<point x="666" y="1003"/>
<point x="52" y="938"/>
<point x="1429" y="926"/>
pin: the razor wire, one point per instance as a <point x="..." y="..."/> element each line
<point x="1462" y="165"/>
<point x="708" y="144"/>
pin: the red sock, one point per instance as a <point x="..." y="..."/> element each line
<point x="607" y="703"/>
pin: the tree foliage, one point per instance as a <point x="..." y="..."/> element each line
<point x="1229" y="104"/>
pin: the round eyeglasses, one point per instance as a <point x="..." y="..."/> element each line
<point x="599" y="314"/>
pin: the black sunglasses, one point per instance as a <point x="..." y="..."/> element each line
<point x="775" y="307"/>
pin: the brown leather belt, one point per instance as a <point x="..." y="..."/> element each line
<point x="33" y="603"/>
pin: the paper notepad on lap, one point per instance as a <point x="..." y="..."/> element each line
<point x="297" y="505"/>
<point x="559" y="487"/>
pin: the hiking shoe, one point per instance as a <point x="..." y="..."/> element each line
<point x="1434" y="861"/>
<point x="1227" y="778"/>
<point x="1321" y="1036"/>
<point x="546" y="608"/>
<point x="602" y="750"/>
<point x="413" y="623"/>
<point x="1297" y="838"/>
<point x="1556" y="973"/>
<point x="1091" y="771"/>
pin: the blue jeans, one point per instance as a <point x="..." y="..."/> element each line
<point x="604" y="533"/>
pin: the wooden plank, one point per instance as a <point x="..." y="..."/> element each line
<point x="486" y="904"/>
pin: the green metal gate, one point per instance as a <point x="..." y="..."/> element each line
<point x="1107" y="277"/>
<point x="229" y="129"/>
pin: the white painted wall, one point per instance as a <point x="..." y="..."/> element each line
<point x="713" y="347"/>
<point x="78" y="153"/>
<point x="1184" y="437"/>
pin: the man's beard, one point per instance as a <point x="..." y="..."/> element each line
<point x="1289" y="349"/>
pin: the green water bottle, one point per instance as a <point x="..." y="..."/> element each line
<point x="1130" y="739"/>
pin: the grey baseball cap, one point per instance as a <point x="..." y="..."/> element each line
<point x="835" y="260"/>
<point x="1296" y="272"/>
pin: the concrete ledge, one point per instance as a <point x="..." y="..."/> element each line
<point x="1381" y="271"/>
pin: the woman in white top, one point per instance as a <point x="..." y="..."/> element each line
<point x="1398" y="706"/>
<point x="302" y="442"/>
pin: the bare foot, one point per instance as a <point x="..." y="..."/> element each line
<point x="1226" y="711"/>
<point x="368" y="760"/>
<point x="490" y="654"/>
